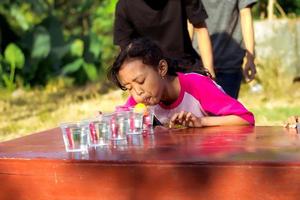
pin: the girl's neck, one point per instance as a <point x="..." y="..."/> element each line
<point x="172" y="90"/>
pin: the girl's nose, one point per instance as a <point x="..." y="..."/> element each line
<point x="139" y="91"/>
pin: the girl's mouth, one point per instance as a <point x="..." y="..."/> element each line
<point x="147" y="100"/>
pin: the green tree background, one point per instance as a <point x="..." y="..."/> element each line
<point x="58" y="39"/>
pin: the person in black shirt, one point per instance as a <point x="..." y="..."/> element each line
<point x="165" y="22"/>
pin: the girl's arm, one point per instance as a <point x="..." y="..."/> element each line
<point x="214" y="102"/>
<point x="228" y="120"/>
<point x="187" y="119"/>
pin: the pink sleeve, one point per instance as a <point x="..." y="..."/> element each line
<point x="130" y="102"/>
<point x="216" y="102"/>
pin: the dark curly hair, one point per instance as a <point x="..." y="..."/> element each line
<point x="143" y="49"/>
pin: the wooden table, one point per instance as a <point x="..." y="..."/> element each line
<point x="205" y="163"/>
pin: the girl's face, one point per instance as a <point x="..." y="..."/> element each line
<point x="144" y="82"/>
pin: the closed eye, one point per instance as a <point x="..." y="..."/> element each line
<point x="128" y="88"/>
<point x="141" y="81"/>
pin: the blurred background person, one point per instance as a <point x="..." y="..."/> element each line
<point x="230" y="26"/>
<point x="164" y="22"/>
<point x="293" y="122"/>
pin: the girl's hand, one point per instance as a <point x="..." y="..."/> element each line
<point x="186" y="119"/>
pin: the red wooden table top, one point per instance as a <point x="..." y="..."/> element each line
<point x="207" y="163"/>
<point x="242" y="144"/>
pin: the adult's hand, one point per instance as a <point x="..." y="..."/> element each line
<point x="249" y="68"/>
<point x="292" y="122"/>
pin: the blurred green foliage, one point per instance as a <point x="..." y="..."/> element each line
<point x="14" y="58"/>
<point x="290" y="7"/>
<point x="56" y="38"/>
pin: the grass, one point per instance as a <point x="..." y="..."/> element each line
<point x="271" y="112"/>
<point x="25" y="112"/>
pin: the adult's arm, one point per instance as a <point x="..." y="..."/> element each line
<point x="205" y="47"/>
<point x="249" y="68"/>
<point x="123" y="28"/>
<point x="190" y="30"/>
<point x="196" y="15"/>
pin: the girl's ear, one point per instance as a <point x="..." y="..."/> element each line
<point x="162" y="68"/>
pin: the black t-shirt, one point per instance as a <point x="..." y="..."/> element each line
<point x="163" y="21"/>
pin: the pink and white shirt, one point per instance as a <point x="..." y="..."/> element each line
<point x="202" y="97"/>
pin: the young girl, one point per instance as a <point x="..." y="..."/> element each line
<point x="191" y="100"/>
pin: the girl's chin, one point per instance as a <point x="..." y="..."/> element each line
<point x="153" y="103"/>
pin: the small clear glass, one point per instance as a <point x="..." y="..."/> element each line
<point x="132" y="120"/>
<point x="148" y="120"/>
<point x="75" y="136"/>
<point x="135" y="140"/>
<point x="119" y="126"/>
<point x="135" y="123"/>
<point x="99" y="132"/>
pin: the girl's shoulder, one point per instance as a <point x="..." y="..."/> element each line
<point x="195" y="82"/>
<point x="190" y="78"/>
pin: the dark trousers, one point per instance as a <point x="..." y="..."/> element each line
<point x="230" y="82"/>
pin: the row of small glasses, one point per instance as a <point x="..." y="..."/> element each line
<point x="100" y="131"/>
